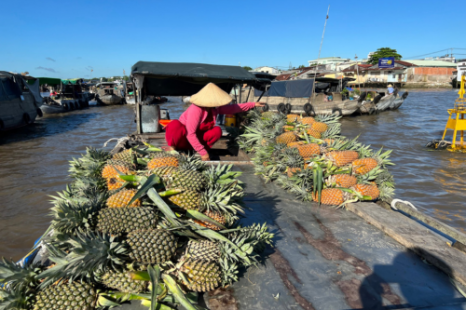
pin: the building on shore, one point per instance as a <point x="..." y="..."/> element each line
<point x="266" y="69"/>
<point x="409" y="73"/>
<point x="330" y="62"/>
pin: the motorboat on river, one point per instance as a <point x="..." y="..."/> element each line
<point x="109" y="93"/>
<point x="19" y="101"/>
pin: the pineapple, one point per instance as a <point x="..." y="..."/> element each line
<point x="114" y="168"/>
<point x="188" y="200"/>
<point x="329" y="141"/>
<point x="114" y="183"/>
<point x="73" y="295"/>
<point x="313" y="133"/>
<point x="162" y="160"/>
<point x="308" y="120"/>
<point x="286" y="138"/>
<point x="122" y="198"/>
<point x="291" y="118"/>
<point x="342" y="158"/>
<point x="342" y="180"/>
<point x="216" y="216"/>
<point x="176" y="178"/>
<point x="320" y="127"/>
<point x="364" y="165"/>
<point x="203" y="250"/>
<point x="330" y="196"/>
<point x="370" y="190"/>
<point x="308" y="150"/>
<point x="267" y="115"/>
<point x="122" y="220"/>
<point x="151" y="246"/>
<point x="293" y="144"/>
<point x="126" y="156"/>
<point x="122" y="282"/>
<point x="288" y="128"/>
<point x="202" y="276"/>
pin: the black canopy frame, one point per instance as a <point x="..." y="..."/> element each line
<point x="185" y="79"/>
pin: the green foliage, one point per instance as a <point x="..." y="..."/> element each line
<point x="247" y="68"/>
<point x="382" y="53"/>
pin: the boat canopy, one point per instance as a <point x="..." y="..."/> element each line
<point x="46" y="80"/>
<point x="186" y="79"/>
<point x="72" y="81"/>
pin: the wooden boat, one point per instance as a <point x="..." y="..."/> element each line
<point x="381" y="102"/>
<point x="109" y="93"/>
<point x="130" y="92"/>
<point x="19" y="101"/>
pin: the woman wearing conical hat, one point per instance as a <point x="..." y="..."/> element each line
<point x="195" y="129"/>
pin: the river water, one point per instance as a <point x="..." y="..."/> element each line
<point x="34" y="160"/>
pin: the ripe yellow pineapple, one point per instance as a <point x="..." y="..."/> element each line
<point x="291" y="118"/>
<point x="114" y="183"/>
<point x="342" y="180"/>
<point x="313" y="133"/>
<point x="286" y="138"/>
<point x="115" y="167"/>
<point x="294" y="144"/>
<point x="330" y="196"/>
<point x="288" y="128"/>
<point x="308" y="120"/>
<point x="320" y="127"/>
<point x="122" y="198"/>
<point x="162" y="161"/>
<point x="342" y="158"/>
<point x="217" y="216"/>
<point x="364" y="165"/>
<point x="308" y="150"/>
<point x="370" y="190"/>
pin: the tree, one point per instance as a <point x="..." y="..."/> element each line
<point x="126" y="78"/>
<point x="247" y="68"/>
<point x="382" y="53"/>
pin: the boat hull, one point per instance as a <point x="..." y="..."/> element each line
<point x="110" y="99"/>
<point x="17" y="113"/>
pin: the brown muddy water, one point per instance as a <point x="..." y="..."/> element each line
<point x="34" y="160"/>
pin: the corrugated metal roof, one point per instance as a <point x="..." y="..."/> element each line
<point x="432" y="63"/>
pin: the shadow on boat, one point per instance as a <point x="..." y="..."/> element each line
<point x="47" y="126"/>
<point x="422" y="286"/>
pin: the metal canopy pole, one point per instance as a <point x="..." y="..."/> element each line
<point x="320" y="49"/>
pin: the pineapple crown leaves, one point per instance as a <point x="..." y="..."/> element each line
<point x="70" y="216"/>
<point x="14" y="299"/>
<point x="328" y="118"/>
<point x="229" y="271"/>
<point x="222" y="175"/>
<point x="17" y="276"/>
<point x="223" y="198"/>
<point x="191" y="163"/>
<point x="90" y="164"/>
<point x="88" y="254"/>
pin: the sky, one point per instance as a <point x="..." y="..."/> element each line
<point x="68" y="39"/>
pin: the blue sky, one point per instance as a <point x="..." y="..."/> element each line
<point x="67" y="38"/>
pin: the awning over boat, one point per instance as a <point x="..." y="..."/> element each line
<point x="72" y="81"/>
<point x="45" y="80"/>
<point x="185" y="79"/>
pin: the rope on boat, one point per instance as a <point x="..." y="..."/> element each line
<point x="395" y="201"/>
<point x="119" y="141"/>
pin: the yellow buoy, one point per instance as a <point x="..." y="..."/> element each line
<point x="456" y="120"/>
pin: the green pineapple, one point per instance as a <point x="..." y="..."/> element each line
<point x="126" y="155"/>
<point x="202" y="276"/>
<point x="175" y="178"/>
<point x="73" y="295"/>
<point x="122" y="282"/>
<point x="122" y="220"/>
<point x="188" y="200"/>
<point x="151" y="246"/>
<point x="203" y="250"/>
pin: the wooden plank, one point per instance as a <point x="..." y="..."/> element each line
<point x="426" y="243"/>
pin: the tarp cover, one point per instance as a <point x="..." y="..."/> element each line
<point x="72" y="81"/>
<point x="290" y="89"/>
<point x="185" y="79"/>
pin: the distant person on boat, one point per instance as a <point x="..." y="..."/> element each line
<point x="196" y="130"/>
<point x="390" y="89"/>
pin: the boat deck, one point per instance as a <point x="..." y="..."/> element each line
<point x="326" y="258"/>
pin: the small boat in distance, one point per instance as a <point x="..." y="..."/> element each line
<point x="109" y="93"/>
<point x="19" y="101"/>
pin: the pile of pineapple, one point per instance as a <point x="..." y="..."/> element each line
<point x="143" y="224"/>
<point x="310" y="158"/>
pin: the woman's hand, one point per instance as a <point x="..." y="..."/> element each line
<point x="205" y="157"/>
<point x="260" y="104"/>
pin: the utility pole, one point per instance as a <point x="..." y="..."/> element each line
<point x="320" y="49"/>
<point x="357" y="68"/>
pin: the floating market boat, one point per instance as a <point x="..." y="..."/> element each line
<point x="109" y="93"/>
<point x="129" y="92"/>
<point x="19" y="101"/>
<point x="322" y="258"/>
<point x="373" y="101"/>
<point x="61" y="96"/>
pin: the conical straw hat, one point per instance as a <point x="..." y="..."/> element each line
<point x="211" y="96"/>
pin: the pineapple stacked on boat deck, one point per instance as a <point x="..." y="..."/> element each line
<point x="141" y="225"/>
